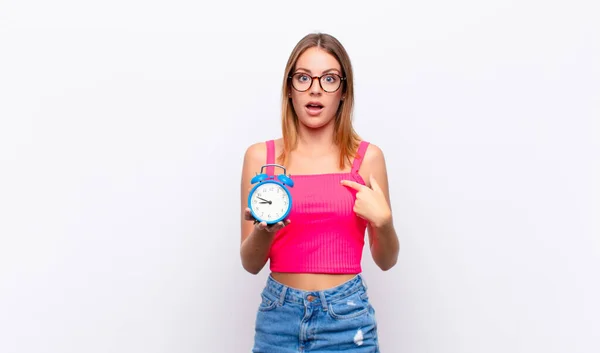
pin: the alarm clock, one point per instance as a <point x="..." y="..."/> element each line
<point x="270" y="200"/>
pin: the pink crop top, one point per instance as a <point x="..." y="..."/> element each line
<point x="325" y="235"/>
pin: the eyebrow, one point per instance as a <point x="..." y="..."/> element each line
<point x="326" y="71"/>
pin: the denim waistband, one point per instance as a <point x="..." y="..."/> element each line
<point x="288" y="294"/>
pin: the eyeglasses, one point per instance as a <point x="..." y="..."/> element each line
<point x="329" y="82"/>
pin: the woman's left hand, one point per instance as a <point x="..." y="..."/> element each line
<point x="371" y="203"/>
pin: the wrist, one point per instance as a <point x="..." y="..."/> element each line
<point x="262" y="233"/>
<point x="383" y="223"/>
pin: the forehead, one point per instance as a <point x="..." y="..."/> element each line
<point x="317" y="60"/>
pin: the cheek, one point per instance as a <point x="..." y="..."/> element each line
<point x="297" y="106"/>
<point x="334" y="103"/>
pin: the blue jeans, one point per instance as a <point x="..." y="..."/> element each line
<point x="339" y="319"/>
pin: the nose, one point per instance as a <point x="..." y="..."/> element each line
<point x="315" y="87"/>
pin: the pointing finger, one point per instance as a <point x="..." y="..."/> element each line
<point x="352" y="184"/>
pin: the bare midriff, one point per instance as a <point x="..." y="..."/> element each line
<point x="311" y="281"/>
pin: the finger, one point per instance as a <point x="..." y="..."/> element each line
<point x="358" y="212"/>
<point x="354" y="185"/>
<point x="276" y="227"/>
<point x="261" y="225"/>
<point x="374" y="185"/>
<point x="273" y="228"/>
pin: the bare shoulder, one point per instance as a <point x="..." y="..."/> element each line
<point x="374" y="155"/>
<point x="255" y="152"/>
<point x="374" y="165"/>
<point x="254" y="157"/>
<point x="374" y="162"/>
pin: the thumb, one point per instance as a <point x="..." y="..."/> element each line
<point x="374" y="185"/>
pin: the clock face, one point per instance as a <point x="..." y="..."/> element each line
<point x="269" y="202"/>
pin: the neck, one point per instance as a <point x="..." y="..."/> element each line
<point x="319" y="139"/>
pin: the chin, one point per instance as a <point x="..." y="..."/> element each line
<point x="315" y="122"/>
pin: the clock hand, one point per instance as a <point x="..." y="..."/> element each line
<point x="264" y="201"/>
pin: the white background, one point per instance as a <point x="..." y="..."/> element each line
<point x="123" y="125"/>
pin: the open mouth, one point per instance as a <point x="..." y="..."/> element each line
<point x="314" y="107"/>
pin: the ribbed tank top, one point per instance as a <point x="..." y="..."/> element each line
<point x="325" y="234"/>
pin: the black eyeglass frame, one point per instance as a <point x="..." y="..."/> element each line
<point x="312" y="79"/>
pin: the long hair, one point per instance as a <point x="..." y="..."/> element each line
<point x="345" y="137"/>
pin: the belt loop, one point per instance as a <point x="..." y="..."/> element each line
<point x="364" y="283"/>
<point x="282" y="295"/>
<point x="323" y="300"/>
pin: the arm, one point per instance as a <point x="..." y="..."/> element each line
<point x="255" y="239"/>
<point x="255" y="244"/>
<point x="254" y="249"/>
<point x="384" y="245"/>
<point x="383" y="240"/>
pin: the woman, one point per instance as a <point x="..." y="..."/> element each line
<point x="315" y="298"/>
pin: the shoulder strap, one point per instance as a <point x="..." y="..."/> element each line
<point x="362" y="148"/>
<point x="270" y="156"/>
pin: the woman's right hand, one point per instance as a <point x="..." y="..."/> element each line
<point x="273" y="228"/>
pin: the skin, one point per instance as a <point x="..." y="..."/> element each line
<point x="316" y="153"/>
